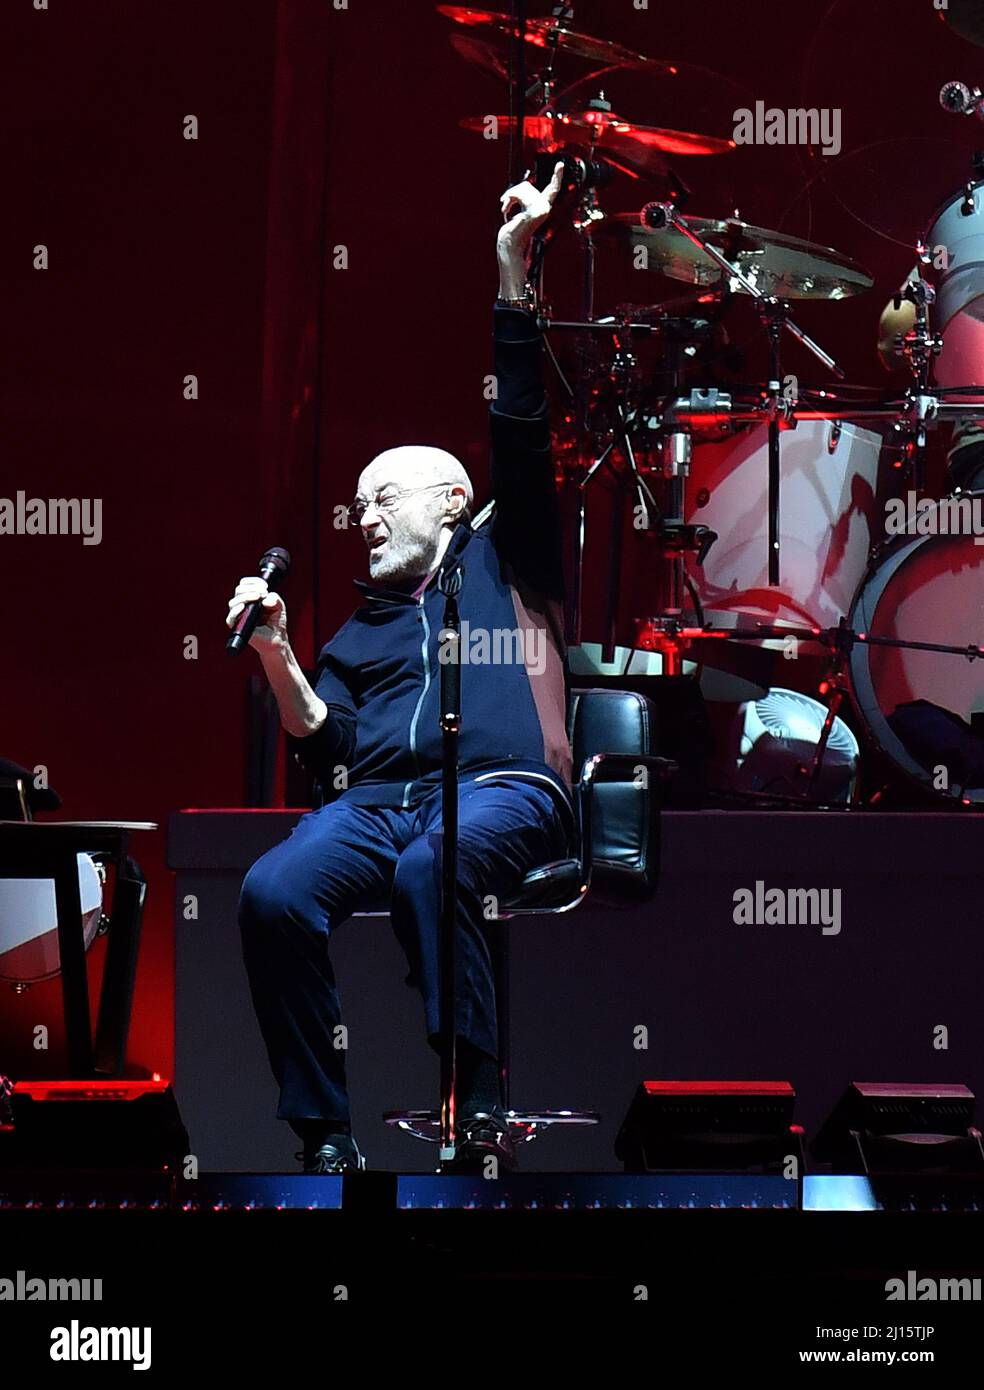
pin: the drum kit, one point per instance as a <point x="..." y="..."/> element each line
<point x="765" y="503"/>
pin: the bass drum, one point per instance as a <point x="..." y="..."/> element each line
<point x="828" y="516"/>
<point x="923" y="709"/>
<point x="29" y="949"/>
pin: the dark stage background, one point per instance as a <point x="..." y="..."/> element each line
<point x="168" y="257"/>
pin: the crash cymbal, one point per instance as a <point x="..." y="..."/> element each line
<point x="650" y="136"/>
<point x="551" y="132"/>
<point x="483" y="55"/>
<point x="598" y="124"/>
<point x="775" y="263"/>
<point x="637" y="148"/>
<point x="547" y="128"/>
<point x="547" y="34"/>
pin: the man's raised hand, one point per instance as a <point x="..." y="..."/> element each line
<point x="525" y="208"/>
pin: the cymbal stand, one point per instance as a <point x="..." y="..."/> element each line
<point x="920" y="346"/>
<point x="771" y="310"/>
<point x="625" y="423"/>
<point x="776" y="316"/>
<point x="544" y="82"/>
<point x="630" y="419"/>
<point x="841" y="640"/>
<point x="627" y="417"/>
<point x="618" y="375"/>
<point x="676" y="537"/>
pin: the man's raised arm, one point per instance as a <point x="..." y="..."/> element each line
<point x="526" y="529"/>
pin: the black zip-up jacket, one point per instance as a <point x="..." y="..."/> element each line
<point x="380" y="674"/>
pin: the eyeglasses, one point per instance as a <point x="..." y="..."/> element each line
<point x="387" y="500"/>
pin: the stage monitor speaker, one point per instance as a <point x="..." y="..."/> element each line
<point x="92" y="1124"/>
<point x="711" y="1126"/>
<point x="885" y="1127"/>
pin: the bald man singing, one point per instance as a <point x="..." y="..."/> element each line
<point x="369" y="732"/>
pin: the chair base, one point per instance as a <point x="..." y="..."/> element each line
<point x="524" y="1125"/>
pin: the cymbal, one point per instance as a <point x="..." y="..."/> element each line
<point x="966" y="18"/>
<point x="551" y="132"/>
<point x="591" y="126"/>
<point x="636" y="669"/>
<point x="484" y="55"/>
<point x="775" y="263"/>
<point x="549" y="33"/>
<point x="534" y="127"/>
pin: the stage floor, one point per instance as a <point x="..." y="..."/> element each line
<point x="602" y="998"/>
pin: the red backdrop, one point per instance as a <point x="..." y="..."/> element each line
<point x="170" y="257"/>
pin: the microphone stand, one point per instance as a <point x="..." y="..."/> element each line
<point x="449" y="583"/>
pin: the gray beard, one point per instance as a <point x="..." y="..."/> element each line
<point x="400" y="565"/>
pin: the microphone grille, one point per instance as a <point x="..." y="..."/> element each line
<point x="276" y="557"/>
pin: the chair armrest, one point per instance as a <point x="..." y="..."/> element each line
<point x="604" y="767"/>
<point x="600" y="767"/>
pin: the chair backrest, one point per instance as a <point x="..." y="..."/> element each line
<point x="625" y="813"/>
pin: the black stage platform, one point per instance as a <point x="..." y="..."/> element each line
<point x="716" y="999"/>
<point x="723" y="1289"/>
<point x="716" y="1273"/>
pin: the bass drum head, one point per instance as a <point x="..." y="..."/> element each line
<point x="923" y="709"/>
<point x="29" y="949"/>
<point x="827" y="518"/>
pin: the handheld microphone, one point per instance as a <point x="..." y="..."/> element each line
<point x="274" y="567"/>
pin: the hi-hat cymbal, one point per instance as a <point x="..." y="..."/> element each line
<point x="775" y="263"/>
<point x="550" y="33"/>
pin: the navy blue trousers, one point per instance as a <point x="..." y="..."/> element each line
<point x="346" y="858"/>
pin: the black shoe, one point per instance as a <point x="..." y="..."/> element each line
<point x="338" y="1154"/>
<point x="479" y="1136"/>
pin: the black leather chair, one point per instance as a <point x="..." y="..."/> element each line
<point x="618" y="800"/>
<point x="616" y="858"/>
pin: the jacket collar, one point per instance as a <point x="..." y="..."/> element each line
<point x="460" y="537"/>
